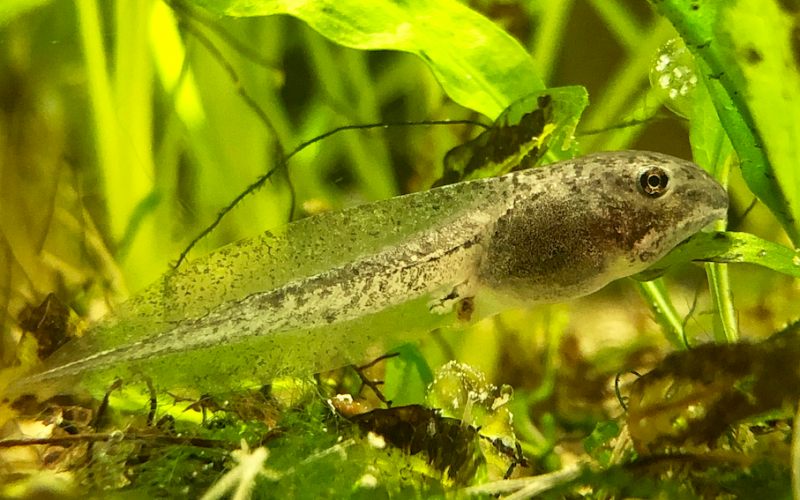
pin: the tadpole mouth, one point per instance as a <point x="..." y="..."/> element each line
<point x="708" y="212"/>
<point x="708" y="221"/>
<point x="715" y="207"/>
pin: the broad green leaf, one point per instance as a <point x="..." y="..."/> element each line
<point x="728" y="248"/>
<point x="520" y="137"/>
<point x="760" y="37"/>
<point x="479" y="65"/>
<point x="751" y="77"/>
<point x="711" y="146"/>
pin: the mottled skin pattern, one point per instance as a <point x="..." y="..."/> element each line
<point x="321" y="292"/>
<point x="595" y="223"/>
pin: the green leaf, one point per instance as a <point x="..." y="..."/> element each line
<point x="728" y="248"/>
<point x="759" y="36"/>
<point x="479" y="65"/>
<point x="743" y="55"/>
<point x="711" y="146"/>
<point x="520" y="137"/>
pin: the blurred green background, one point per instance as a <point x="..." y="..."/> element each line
<point x="124" y="130"/>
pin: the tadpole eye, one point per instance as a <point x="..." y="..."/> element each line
<point x="654" y="181"/>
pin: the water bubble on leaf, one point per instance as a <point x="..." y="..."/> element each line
<point x="674" y="77"/>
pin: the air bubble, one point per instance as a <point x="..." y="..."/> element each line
<point x="662" y="62"/>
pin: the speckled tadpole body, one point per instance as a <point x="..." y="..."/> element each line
<point x="319" y="293"/>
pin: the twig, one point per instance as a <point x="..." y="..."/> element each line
<point x="621" y="399"/>
<point x="625" y="124"/>
<point x="371" y="383"/>
<point x="151" y="416"/>
<point x="101" y="410"/>
<point x="253" y="105"/>
<point x="116" y="436"/>
<point x="378" y="360"/>
<point x="529" y="486"/>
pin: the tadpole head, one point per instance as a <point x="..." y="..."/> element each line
<point x="655" y="201"/>
<point x="579" y="224"/>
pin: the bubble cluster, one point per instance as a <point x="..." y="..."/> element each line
<point x="674" y="77"/>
